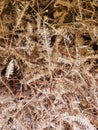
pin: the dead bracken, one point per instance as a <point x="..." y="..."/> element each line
<point x="48" y="65"/>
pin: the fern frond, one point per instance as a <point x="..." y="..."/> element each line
<point x="82" y="121"/>
<point x="10" y="68"/>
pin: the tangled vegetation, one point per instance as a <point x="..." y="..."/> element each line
<point x="48" y="64"/>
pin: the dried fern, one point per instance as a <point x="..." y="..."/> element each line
<point x="83" y="121"/>
<point x="10" y="68"/>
